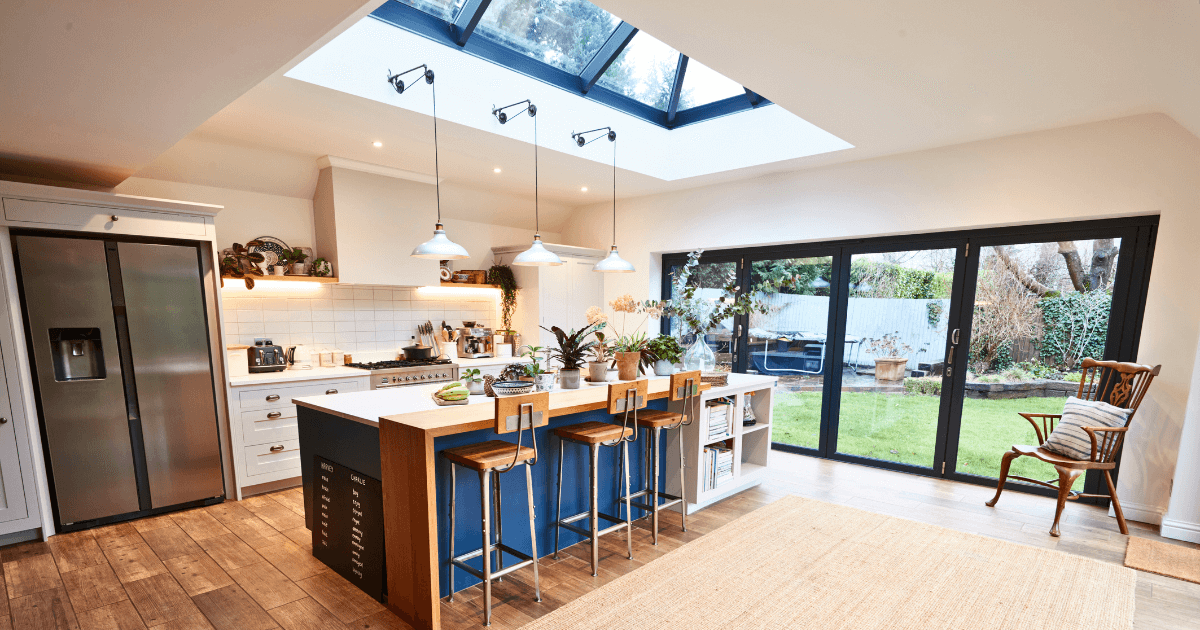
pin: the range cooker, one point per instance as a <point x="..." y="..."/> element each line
<point x="400" y="373"/>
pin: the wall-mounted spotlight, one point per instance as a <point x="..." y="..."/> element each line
<point x="397" y="83"/>
<point x="500" y="115"/>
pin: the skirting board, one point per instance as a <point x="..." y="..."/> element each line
<point x="1151" y="514"/>
<point x="1180" y="530"/>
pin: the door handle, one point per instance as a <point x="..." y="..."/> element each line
<point x="273" y="398"/>
<point x="276" y="449"/>
<point x="330" y="391"/>
<point x="274" y="414"/>
<point x="954" y="337"/>
<point x="950" y="357"/>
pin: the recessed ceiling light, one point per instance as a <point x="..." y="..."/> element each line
<point x="495" y="170"/>
<point x="584" y="189"/>
<point x="378" y="143"/>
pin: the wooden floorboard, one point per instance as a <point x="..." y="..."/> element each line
<point x="246" y="565"/>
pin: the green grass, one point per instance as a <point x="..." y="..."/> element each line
<point x="903" y="428"/>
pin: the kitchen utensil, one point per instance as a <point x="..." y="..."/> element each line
<point x="418" y="352"/>
<point x="512" y="388"/>
<point x="300" y="357"/>
<point x="266" y="357"/>
<point x="469" y="323"/>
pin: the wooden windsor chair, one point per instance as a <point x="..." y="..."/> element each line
<point x="1119" y="384"/>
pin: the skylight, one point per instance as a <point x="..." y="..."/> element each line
<point x="577" y="46"/>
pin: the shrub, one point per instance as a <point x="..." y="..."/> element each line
<point x="1076" y="326"/>
<point x="1074" y="377"/>
<point x="927" y="385"/>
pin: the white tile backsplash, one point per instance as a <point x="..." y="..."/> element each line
<point x="349" y="318"/>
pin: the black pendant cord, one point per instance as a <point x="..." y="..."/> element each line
<point x="437" y="178"/>
<point x="537" y="224"/>
<point x="614" y="193"/>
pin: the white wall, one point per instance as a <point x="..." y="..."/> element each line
<point x="1136" y="165"/>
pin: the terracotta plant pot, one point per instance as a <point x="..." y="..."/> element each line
<point x="598" y="372"/>
<point x="627" y="365"/>
<point x="890" y="368"/>
<point x="568" y="379"/>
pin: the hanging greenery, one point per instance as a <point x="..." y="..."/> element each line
<point x="502" y="276"/>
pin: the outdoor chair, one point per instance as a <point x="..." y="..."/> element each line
<point x="1118" y="384"/>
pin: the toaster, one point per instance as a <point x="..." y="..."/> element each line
<point x="266" y="357"/>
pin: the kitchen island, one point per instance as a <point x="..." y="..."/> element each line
<point x="394" y="435"/>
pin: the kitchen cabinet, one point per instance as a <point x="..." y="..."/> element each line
<point x="14" y="504"/>
<point x="367" y="223"/>
<point x="554" y="296"/>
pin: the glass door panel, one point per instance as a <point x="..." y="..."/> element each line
<point x="895" y="347"/>
<point x="789" y="342"/>
<point x="710" y="278"/>
<point x="1040" y="309"/>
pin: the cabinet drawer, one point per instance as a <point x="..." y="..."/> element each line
<point x="100" y="219"/>
<point x="269" y="425"/>
<point x="273" y="396"/>
<point x="273" y="457"/>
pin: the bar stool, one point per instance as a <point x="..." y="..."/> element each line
<point x="685" y="387"/>
<point x="491" y="459"/>
<point x="624" y="398"/>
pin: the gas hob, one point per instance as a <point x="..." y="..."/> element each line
<point x="401" y="373"/>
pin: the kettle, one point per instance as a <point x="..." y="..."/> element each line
<point x="301" y="357"/>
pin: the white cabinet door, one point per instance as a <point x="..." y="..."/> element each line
<point x="553" y="285"/>
<point x="13" y="504"/>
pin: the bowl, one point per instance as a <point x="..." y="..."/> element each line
<point x="469" y="323"/>
<point x="512" y="388"/>
<point x="462" y="277"/>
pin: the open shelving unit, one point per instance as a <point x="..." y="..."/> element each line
<point x="751" y="445"/>
<point x="468" y="285"/>
<point x="324" y="279"/>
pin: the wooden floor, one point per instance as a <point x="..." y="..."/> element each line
<point x="247" y="565"/>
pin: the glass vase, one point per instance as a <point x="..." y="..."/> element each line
<point x="699" y="356"/>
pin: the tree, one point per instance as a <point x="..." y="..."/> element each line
<point x="1005" y="312"/>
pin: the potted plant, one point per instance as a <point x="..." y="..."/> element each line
<point x="543" y="378"/>
<point x="664" y="352"/>
<point x="629" y="355"/>
<point x="474" y="382"/>
<point x="240" y="262"/>
<point x="572" y="352"/>
<point x="502" y="277"/>
<point x="889" y="359"/>
<point x="292" y="261"/>
<point x="598" y="367"/>
<point x="320" y="268"/>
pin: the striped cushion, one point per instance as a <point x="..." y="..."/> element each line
<point x="1069" y="440"/>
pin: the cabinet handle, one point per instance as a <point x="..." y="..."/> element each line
<point x="3" y="420"/>
<point x="274" y="414"/>
<point x="113" y="218"/>
<point x="276" y="449"/>
<point x="331" y="391"/>
<point x="272" y="397"/>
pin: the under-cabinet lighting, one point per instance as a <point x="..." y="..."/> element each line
<point x="496" y="170"/>
<point x="458" y="291"/>
<point x="378" y="144"/>
<point x="584" y="189"/>
<point x="265" y="285"/>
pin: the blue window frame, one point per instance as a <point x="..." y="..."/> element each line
<point x="576" y="46"/>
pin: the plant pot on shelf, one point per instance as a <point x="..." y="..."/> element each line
<point x="890" y="368"/>
<point x="663" y="367"/>
<point x="627" y="365"/>
<point x="598" y="372"/>
<point x="298" y="269"/>
<point x="280" y="270"/>
<point x="569" y="379"/>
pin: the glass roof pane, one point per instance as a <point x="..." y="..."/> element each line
<point x="703" y="85"/>
<point x="563" y="33"/>
<point x="444" y="9"/>
<point x="644" y="71"/>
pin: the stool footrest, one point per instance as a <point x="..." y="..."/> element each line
<point x="495" y="574"/>
<point x="568" y="523"/>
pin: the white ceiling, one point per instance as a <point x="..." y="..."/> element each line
<point x="93" y="91"/>
<point x="887" y="76"/>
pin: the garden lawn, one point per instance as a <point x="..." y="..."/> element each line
<point x="903" y="428"/>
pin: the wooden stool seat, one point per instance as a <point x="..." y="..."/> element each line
<point x="656" y="418"/>
<point x="487" y="455"/>
<point x="593" y="432"/>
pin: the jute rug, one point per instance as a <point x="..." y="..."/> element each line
<point x="800" y="563"/>
<point x="1152" y="556"/>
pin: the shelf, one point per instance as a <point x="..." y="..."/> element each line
<point x="715" y="440"/>
<point x="750" y="470"/>
<point x="468" y="285"/>
<point x="755" y="427"/>
<point x="329" y="280"/>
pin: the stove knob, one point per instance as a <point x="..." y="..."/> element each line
<point x="383" y="381"/>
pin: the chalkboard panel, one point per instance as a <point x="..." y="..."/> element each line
<point x="348" y="525"/>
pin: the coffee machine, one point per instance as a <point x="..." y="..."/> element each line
<point x="475" y="343"/>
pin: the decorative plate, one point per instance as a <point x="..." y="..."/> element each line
<point x="273" y="245"/>
<point x="510" y="388"/>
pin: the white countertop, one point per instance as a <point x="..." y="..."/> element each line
<point x="478" y="363"/>
<point x="369" y="406"/>
<point x="316" y="373"/>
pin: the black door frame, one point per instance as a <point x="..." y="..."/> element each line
<point x="1137" y="234"/>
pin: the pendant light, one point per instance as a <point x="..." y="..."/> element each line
<point x="613" y="263"/>
<point x="440" y="247"/>
<point x="537" y="255"/>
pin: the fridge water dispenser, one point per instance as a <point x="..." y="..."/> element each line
<point x="77" y="353"/>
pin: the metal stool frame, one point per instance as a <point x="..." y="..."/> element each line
<point x="629" y="405"/>
<point x="689" y="393"/>
<point x="538" y="415"/>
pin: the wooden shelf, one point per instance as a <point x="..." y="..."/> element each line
<point x="468" y="285"/>
<point x="328" y="279"/>
<point x="754" y="427"/>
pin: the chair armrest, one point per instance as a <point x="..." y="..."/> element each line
<point x="1048" y="426"/>
<point x="1104" y="450"/>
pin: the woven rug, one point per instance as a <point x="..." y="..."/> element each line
<point x="1152" y="556"/>
<point x="800" y="563"/>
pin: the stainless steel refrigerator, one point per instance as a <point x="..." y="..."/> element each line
<point x="118" y="339"/>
